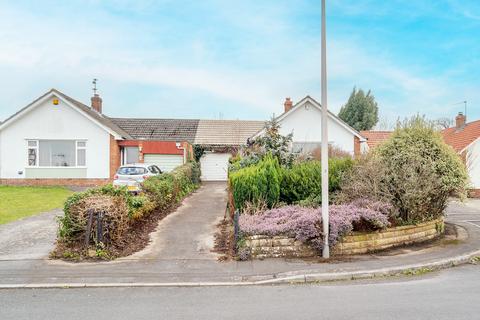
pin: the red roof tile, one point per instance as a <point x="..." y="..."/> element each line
<point x="374" y="138"/>
<point x="459" y="139"/>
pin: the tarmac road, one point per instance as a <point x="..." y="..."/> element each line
<point x="450" y="294"/>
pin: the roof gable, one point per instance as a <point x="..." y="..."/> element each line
<point x="460" y="139"/>
<point x="317" y="105"/>
<point x="86" y="111"/>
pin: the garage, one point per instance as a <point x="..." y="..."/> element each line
<point x="215" y="166"/>
<point x="166" y="162"/>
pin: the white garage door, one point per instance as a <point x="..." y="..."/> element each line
<point x="166" y="162"/>
<point x="215" y="166"/>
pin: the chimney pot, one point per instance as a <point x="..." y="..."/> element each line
<point x="460" y="121"/>
<point x="97" y="103"/>
<point x="288" y="104"/>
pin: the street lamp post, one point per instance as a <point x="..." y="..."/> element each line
<point x="325" y="215"/>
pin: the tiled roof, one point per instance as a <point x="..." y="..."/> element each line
<point x="375" y="138"/>
<point x="459" y="139"/>
<point x="92" y="113"/>
<point x="226" y="132"/>
<point x="205" y="132"/>
<point x="159" y="129"/>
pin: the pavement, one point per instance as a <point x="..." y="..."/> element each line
<point x="180" y="254"/>
<point x="446" y="295"/>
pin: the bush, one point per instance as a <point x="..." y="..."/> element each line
<point x="303" y="182"/>
<point x="121" y="208"/>
<point x="257" y="183"/>
<point x="414" y="170"/>
<point x="76" y="206"/>
<point x="305" y="224"/>
<point x="300" y="184"/>
<point x="270" y="143"/>
<point x="421" y="170"/>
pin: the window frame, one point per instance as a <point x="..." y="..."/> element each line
<point x="37" y="153"/>
<point x="37" y="149"/>
<point x="77" y="147"/>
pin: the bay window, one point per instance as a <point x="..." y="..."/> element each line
<point x="56" y="153"/>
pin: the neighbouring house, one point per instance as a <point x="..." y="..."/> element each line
<point x="304" y="120"/>
<point x="373" y="139"/>
<point x="219" y="139"/>
<point x="57" y="140"/>
<point x="464" y="138"/>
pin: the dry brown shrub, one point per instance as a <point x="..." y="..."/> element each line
<point x="366" y="180"/>
<point x="258" y="207"/>
<point x="333" y="152"/>
<point x="115" y="220"/>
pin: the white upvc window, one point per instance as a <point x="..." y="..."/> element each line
<point x="57" y="153"/>
<point x="81" y="153"/>
<point x="32" y="153"/>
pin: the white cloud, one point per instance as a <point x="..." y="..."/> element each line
<point x="260" y="74"/>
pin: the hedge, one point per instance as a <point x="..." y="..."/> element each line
<point x="122" y="209"/>
<point x="268" y="182"/>
<point x="256" y="183"/>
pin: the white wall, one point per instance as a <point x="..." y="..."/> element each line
<point x="306" y="125"/>
<point x="53" y="122"/>
<point x="473" y="164"/>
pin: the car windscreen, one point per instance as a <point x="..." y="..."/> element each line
<point x="131" y="171"/>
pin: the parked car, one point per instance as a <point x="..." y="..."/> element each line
<point x="132" y="175"/>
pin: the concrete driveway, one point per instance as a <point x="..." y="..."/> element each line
<point x="29" y="238"/>
<point x="188" y="233"/>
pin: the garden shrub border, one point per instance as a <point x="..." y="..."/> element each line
<point x="161" y="195"/>
<point x="261" y="246"/>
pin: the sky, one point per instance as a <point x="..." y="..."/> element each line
<point x="216" y="59"/>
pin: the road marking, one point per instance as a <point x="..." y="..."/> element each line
<point x="475" y="223"/>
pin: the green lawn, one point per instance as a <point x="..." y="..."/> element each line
<point x="18" y="202"/>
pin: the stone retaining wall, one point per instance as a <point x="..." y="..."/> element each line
<point x="354" y="243"/>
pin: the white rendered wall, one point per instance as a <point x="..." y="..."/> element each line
<point x="305" y="123"/>
<point x="50" y="122"/>
<point x="473" y="164"/>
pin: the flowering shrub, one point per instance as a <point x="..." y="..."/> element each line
<point x="305" y="224"/>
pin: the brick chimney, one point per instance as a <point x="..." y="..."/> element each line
<point x="97" y="103"/>
<point x="460" y="121"/>
<point x="288" y="104"/>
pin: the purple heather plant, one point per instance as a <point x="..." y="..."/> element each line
<point x="305" y="224"/>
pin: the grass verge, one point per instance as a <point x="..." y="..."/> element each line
<point x="18" y="202"/>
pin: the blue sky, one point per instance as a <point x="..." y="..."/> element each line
<point x="240" y="59"/>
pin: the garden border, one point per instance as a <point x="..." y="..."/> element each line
<point x="262" y="246"/>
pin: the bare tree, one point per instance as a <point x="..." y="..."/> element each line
<point x="443" y="123"/>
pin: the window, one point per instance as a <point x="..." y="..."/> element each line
<point x="32" y="153"/>
<point x="131" y="171"/>
<point x="131" y="155"/>
<point x="81" y="153"/>
<point x="57" y="153"/>
<point x="305" y="147"/>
